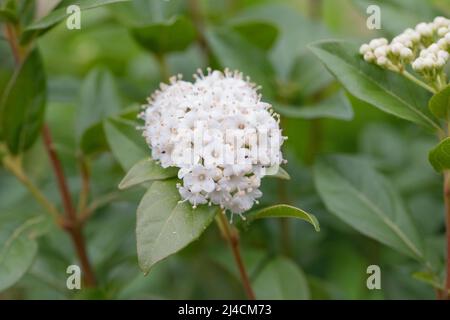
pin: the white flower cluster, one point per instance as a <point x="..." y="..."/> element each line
<point x="219" y="133"/>
<point x="426" y="48"/>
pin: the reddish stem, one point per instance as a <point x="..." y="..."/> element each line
<point x="233" y="239"/>
<point x="12" y="39"/>
<point x="446" y="294"/>
<point x="71" y="224"/>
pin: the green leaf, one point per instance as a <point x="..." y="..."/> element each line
<point x="284" y="211"/>
<point x="176" y="34"/>
<point x="360" y="196"/>
<point x="7" y="15"/>
<point x="18" y="248"/>
<point x="93" y="140"/>
<point x="141" y="13"/>
<point x="234" y="52"/>
<point x="428" y="278"/>
<point x="290" y="44"/>
<point x="308" y="75"/>
<point x="22" y="105"/>
<point x="98" y="100"/>
<point x="7" y="67"/>
<point x="439" y="156"/>
<point x="281" y="279"/>
<point x="259" y="33"/>
<point x="337" y="107"/>
<point x="277" y="172"/>
<point x="26" y="11"/>
<point x="60" y="13"/>
<point x="383" y="89"/>
<point x="164" y="225"/>
<point x="440" y="103"/>
<point x="125" y="141"/>
<point x="146" y="170"/>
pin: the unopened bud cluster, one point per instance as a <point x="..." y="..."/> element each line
<point x="215" y="104"/>
<point x="426" y="48"/>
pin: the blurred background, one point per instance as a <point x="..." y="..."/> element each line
<point x="123" y="51"/>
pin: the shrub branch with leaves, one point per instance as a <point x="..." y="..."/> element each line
<point x="165" y="224"/>
<point x="73" y="146"/>
<point x="420" y="55"/>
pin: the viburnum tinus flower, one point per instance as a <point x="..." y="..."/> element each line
<point x="219" y="133"/>
<point x="426" y="48"/>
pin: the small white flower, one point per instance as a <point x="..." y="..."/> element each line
<point x="200" y="179"/>
<point x="194" y="198"/>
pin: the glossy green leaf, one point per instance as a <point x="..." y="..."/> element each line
<point x="165" y="225"/>
<point x="258" y="33"/>
<point x="440" y="103"/>
<point x="281" y="279"/>
<point x="146" y="170"/>
<point x="337" y="107"/>
<point x="18" y="248"/>
<point x="176" y="34"/>
<point x="357" y="194"/>
<point x="22" y="105"/>
<point x="284" y="211"/>
<point x="439" y="157"/>
<point x="234" y="52"/>
<point x="383" y="89"/>
<point x="125" y="141"/>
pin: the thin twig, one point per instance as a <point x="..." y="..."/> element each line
<point x="233" y="239"/>
<point x="409" y="76"/>
<point x="96" y="204"/>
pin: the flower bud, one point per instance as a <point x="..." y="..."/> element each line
<point x="364" y="48"/>
<point x="406" y="53"/>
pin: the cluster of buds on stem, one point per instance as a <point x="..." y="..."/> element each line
<point x="425" y="48"/>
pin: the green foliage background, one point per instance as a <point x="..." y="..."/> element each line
<point x="97" y="77"/>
